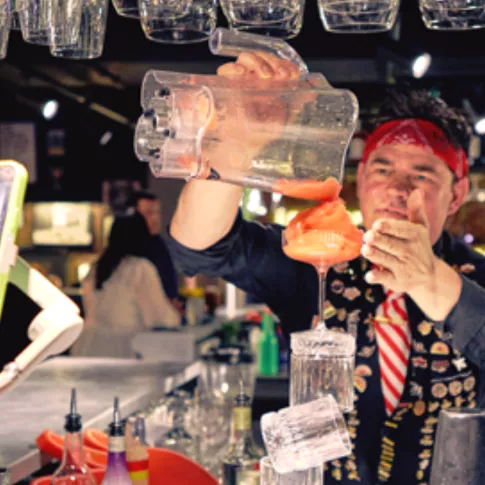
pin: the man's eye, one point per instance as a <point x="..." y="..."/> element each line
<point x="421" y="178"/>
<point x="382" y="171"/>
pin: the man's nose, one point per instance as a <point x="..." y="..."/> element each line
<point x="401" y="185"/>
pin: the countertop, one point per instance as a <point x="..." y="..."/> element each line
<point x="42" y="400"/>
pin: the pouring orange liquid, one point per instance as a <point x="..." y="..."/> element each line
<point x="323" y="235"/>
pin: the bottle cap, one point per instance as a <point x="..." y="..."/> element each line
<point x="116" y="428"/>
<point x="73" y="422"/>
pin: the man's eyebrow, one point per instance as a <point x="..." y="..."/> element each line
<point x="380" y="161"/>
<point x="424" y="168"/>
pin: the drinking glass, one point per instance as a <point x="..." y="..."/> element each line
<point x="453" y="14"/>
<point x="278" y="18"/>
<point x="90" y="41"/>
<point x="306" y="435"/>
<point x="35" y="17"/>
<point x="5" y="24"/>
<point x="358" y="16"/>
<point x="127" y="8"/>
<point x="178" y="21"/>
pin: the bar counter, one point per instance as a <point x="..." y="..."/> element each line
<point x="42" y="401"/>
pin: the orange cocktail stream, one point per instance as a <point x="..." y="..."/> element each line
<point x="323" y="235"/>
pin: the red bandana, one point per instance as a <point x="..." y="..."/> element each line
<point x="423" y="134"/>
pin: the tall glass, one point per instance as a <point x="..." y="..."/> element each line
<point x="90" y="41"/>
<point x="269" y="476"/>
<point x="5" y="24"/>
<point x="453" y="14"/>
<point x="177" y="438"/>
<point x="278" y="18"/>
<point x="14" y="10"/>
<point x="65" y="22"/>
<point x="35" y="18"/>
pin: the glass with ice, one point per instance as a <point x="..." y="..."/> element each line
<point x="306" y="435"/>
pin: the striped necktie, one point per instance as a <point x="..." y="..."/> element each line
<point x="394" y="343"/>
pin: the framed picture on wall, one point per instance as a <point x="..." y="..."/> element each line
<point x="17" y="142"/>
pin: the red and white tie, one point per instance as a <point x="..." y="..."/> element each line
<point x="394" y="343"/>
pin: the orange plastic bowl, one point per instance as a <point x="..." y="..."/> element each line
<point x="170" y="468"/>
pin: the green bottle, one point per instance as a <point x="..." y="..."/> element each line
<point x="268" y="361"/>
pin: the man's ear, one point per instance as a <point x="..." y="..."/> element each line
<point x="460" y="191"/>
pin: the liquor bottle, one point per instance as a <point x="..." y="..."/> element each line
<point x="117" y="471"/>
<point x="4" y="476"/>
<point x="240" y="464"/>
<point x="73" y="468"/>
<point x="268" y="354"/>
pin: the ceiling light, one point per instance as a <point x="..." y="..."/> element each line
<point x="50" y="109"/>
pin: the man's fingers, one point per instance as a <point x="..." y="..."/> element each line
<point x="231" y="69"/>
<point x="381" y="258"/>
<point x="282" y="68"/>
<point x="398" y="229"/>
<point x="388" y="244"/>
<point x="381" y="277"/>
<point x="256" y="64"/>
<point x="262" y="65"/>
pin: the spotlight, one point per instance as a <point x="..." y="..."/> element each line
<point x="50" y="109"/>
<point x="421" y="65"/>
<point x="480" y="126"/>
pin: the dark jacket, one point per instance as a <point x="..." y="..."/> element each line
<point x="446" y="358"/>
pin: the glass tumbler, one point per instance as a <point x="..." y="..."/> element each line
<point x="306" y="435"/>
<point x="358" y="16"/>
<point x="277" y="18"/>
<point x="453" y="14"/>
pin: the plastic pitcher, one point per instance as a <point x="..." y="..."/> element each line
<point x="255" y="133"/>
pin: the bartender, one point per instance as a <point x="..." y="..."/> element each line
<point x="416" y="295"/>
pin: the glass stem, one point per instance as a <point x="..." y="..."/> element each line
<point x="322" y="294"/>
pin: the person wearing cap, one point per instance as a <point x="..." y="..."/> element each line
<point x="415" y="296"/>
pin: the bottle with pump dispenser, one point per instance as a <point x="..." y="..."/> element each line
<point x="72" y="469"/>
<point x="117" y="471"/>
<point x="137" y="450"/>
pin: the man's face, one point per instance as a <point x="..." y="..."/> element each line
<point x="392" y="172"/>
<point x="151" y="211"/>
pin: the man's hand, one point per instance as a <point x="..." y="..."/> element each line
<point x="405" y="262"/>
